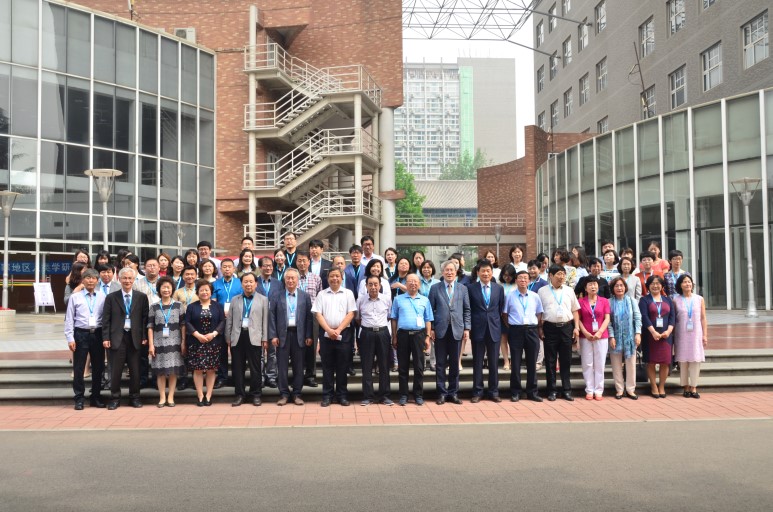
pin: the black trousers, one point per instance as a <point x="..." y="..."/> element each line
<point x="480" y="350"/>
<point x="558" y="345"/>
<point x="375" y="343"/>
<point x="310" y="355"/>
<point x="87" y="343"/>
<point x="222" y="370"/>
<point x="144" y="365"/>
<point x="294" y="352"/>
<point x="335" y="362"/>
<point x="410" y="344"/>
<point x="522" y="338"/>
<point x="269" y="363"/>
<point x="447" y="351"/>
<point x="128" y="355"/>
<point x="245" y="354"/>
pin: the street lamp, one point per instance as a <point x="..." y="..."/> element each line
<point x="103" y="179"/>
<point x="745" y="188"/>
<point x="498" y="236"/>
<point x="180" y="236"/>
<point x="7" y="198"/>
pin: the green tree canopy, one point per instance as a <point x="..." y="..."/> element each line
<point x="466" y="168"/>
<point x="412" y="203"/>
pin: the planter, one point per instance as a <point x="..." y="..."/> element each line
<point x="7" y="320"/>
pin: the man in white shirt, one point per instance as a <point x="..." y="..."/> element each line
<point x="368" y="245"/>
<point x="205" y="252"/>
<point x="373" y="310"/>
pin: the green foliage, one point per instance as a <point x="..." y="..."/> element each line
<point x="411" y="204"/>
<point x="466" y="168"/>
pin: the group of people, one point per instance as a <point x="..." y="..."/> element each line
<point x="273" y="316"/>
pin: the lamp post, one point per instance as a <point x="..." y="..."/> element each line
<point x="7" y="198"/>
<point x="103" y="179"/>
<point x="498" y="236"/>
<point x="180" y="236"/>
<point x="745" y="188"/>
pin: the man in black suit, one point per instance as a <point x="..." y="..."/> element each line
<point x="319" y="265"/>
<point x="487" y="299"/>
<point x="268" y="286"/>
<point x="124" y="324"/>
<point x="290" y="331"/>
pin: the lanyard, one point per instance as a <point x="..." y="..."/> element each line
<point x="291" y="307"/>
<point x="302" y="282"/>
<point x="689" y="308"/>
<point x="410" y="301"/>
<point x="524" y="303"/>
<point x="92" y="302"/>
<point x="227" y="287"/>
<point x="531" y="285"/>
<point x="266" y="289"/>
<point x="188" y="297"/>
<point x="247" y="306"/>
<point x="166" y="313"/>
<point x="645" y="275"/>
<point x="178" y="282"/>
<point x="390" y="272"/>
<point x="593" y="309"/>
<point x="658" y="305"/>
<point x="150" y="286"/>
<point x="559" y="301"/>
<point x="280" y="275"/>
<point x="290" y="259"/>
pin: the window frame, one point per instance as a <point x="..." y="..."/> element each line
<point x="647" y="107"/>
<point x="540" y="79"/>
<point x="554" y="116"/>
<point x="602" y="125"/>
<point x="679" y="73"/>
<point x="554" y="65"/>
<point x="706" y="69"/>
<point x="600" y="12"/>
<point x="749" y="48"/>
<point x="568" y="103"/>
<point x="583" y="35"/>
<point x="673" y="13"/>
<point x="552" y="20"/>
<point x="647" y="37"/>
<point x="540" y="34"/>
<point x="584" y="88"/>
<point x="601" y="78"/>
<point x="566" y="51"/>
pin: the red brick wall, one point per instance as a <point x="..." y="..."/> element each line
<point x="338" y="33"/>
<point x="510" y="187"/>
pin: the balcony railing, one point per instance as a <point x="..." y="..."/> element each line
<point x="324" y="143"/>
<point x="516" y="220"/>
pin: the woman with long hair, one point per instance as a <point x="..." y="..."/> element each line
<point x="246" y="263"/>
<point x="176" y="267"/>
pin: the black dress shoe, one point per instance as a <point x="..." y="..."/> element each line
<point x="419" y="400"/>
<point x="352" y="372"/>
<point x="551" y="397"/>
<point x="403" y="400"/>
<point x="79" y="405"/>
<point x="496" y="399"/>
<point x="441" y="400"/>
<point x="256" y="401"/>
<point x="534" y="398"/>
<point x="136" y="403"/>
<point x="311" y="382"/>
<point x="566" y="395"/>
<point x="239" y="400"/>
<point x="455" y="400"/>
<point x="271" y="383"/>
<point x="515" y="398"/>
<point x="182" y="385"/>
<point x="113" y="405"/>
<point x="200" y="403"/>
<point x="344" y="402"/>
<point x="325" y="402"/>
<point x="207" y="402"/>
<point x="475" y="400"/>
<point x="99" y="404"/>
<point x="219" y="383"/>
<point x="432" y="368"/>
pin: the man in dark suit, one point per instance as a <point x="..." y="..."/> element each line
<point x="355" y="271"/>
<point x="290" y="331"/>
<point x="487" y="300"/>
<point x="268" y="286"/>
<point x="318" y="265"/>
<point x="124" y="325"/>
<point x="290" y="248"/>
<point x="451" y="307"/>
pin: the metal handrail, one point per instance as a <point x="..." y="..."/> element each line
<point x="324" y="143"/>
<point x="407" y="220"/>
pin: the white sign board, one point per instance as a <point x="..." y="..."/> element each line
<point x="44" y="296"/>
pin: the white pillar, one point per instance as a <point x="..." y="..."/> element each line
<point x="387" y="177"/>
<point x="358" y="168"/>
<point x="252" y="205"/>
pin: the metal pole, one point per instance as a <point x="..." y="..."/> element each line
<point x="751" y="307"/>
<point x="104" y="226"/>
<point x="5" y="263"/>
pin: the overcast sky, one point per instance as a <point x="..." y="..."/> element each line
<point x="448" y="51"/>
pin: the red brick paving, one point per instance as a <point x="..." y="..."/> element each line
<point x="742" y="405"/>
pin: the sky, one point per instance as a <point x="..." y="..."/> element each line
<point x="433" y="51"/>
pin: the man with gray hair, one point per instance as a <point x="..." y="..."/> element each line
<point x="124" y="332"/>
<point x="83" y="332"/>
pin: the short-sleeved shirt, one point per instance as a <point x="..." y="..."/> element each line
<point x="406" y="310"/>
<point x="311" y="284"/>
<point x="334" y="306"/>
<point x="587" y="314"/>
<point x="558" y="304"/>
<point x="522" y="309"/>
<point x="374" y="312"/>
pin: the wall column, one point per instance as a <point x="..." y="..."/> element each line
<point x="388" y="231"/>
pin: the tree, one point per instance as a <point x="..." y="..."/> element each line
<point x="466" y="168"/>
<point x="411" y="204"/>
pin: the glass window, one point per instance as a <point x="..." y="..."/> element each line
<point x="148" y="233"/>
<point x="626" y="199"/>
<point x="649" y="149"/>
<point x="78" y="43"/>
<point x="188" y="188"/>
<point x="541" y="120"/>
<point x="77" y="184"/>
<point x="104" y="50"/>
<point x="124" y="193"/>
<point x="582" y="35"/>
<point x="678" y="87"/>
<point x="148" y="192"/>
<point x="551" y="18"/>
<point x="169" y="132"/>
<point x="540" y="34"/>
<point x="567" y="51"/>
<point x="169" y="68"/>
<point x="206" y="138"/>
<point x="78" y="119"/>
<point x="206" y="195"/>
<point x="189" y="74"/>
<point x="5" y="97"/>
<point x="125" y="55"/>
<point x="601" y="16"/>
<point x="207" y="80"/>
<point x="168" y="190"/>
<point x="188" y="134"/>
<point x="743" y="128"/>
<point x="568" y="102"/>
<point x="648" y="103"/>
<point x="24" y="33"/>
<point x="148" y="125"/>
<point x="707" y="136"/>
<point x="604" y="161"/>
<point x="584" y="89"/>
<point x="676" y="16"/>
<point x="540" y="79"/>
<point x="53" y="94"/>
<point x="5" y="30"/>
<point x="602" y="125"/>
<point x="553" y="115"/>
<point x="601" y="75"/>
<point x="566" y="6"/>
<point x="54" y="37"/>
<point x="104" y="123"/>
<point x="24" y="102"/>
<point x="124" y="119"/>
<point x="647" y="37"/>
<point x="5" y="148"/>
<point x="711" y="61"/>
<point x="708" y="3"/>
<point x="553" y="65"/>
<point x="677" y="199"/>
<point x="755" y="40"/>
<point x="51" y="176"/>
<point x="675" y="143"/>
<point x="148" y="61"/>
<point x="24" y="172"/>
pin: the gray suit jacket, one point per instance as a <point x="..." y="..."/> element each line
<point x="277" y="321"/>
<point x="457" y="314"/>
<point x="258" y="320"/>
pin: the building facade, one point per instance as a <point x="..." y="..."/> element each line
<point x="673" y="178"/>
<point x="614" y="62"/>
<point x="450" y="109"/>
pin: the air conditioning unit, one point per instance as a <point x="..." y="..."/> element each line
<point x="188" y="33"/>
